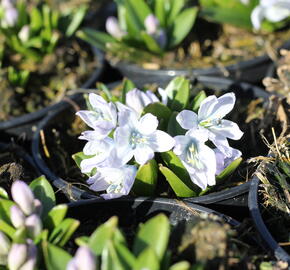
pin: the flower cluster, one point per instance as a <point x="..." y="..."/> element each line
<point x="123" y="131"/>
<point x="24" y="214"/>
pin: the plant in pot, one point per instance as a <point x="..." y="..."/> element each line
<point x="269" y="199"/>
<point x="40" y="58"/>
<point x="56" y="140"/>
<point x="162" y="39"/>
<point x="37" y="233"/>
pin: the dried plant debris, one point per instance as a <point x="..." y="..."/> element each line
<point x="281" y="84"/>
<point x="274" y="174"/>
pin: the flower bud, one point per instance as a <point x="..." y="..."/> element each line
<point x="151" y="24"/>
<point x="23" y="196"/>
<point x="83" y="260"/>
<point x="38" y="207"/>
<point x="113" y="28"/>
<point x="31" y="256"/>
<point x="24" y="33"/>
<point x="17" y="256"/>
<point x="17" y="217"/>
<point x="4" y="244"/>
<point x="10" y="16"/>
<point x="7" y="3"/>
<point x="33" y="225"/>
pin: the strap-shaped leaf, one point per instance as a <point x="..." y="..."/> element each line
<point x="55" y="258"/>
<point x="180" y="188"/>
<point x="151" y="43"/>
<point x="147" y="260"/>
<point x="43" y="191"/>
<point x="76" y="20"/>
<point x="175" y="8"/>
<point x="229" y="170"/>
<point x="146" y="179"/>
<point x="182" y="25"/>
<point x="154" y="234"/>
<point x="197" y="101"/>
<point x="55" y="216"/>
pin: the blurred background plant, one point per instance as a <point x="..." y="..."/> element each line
<point x="144" y="28"/>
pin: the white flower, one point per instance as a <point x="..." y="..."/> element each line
<point x="245" y="2"/>
<point x="113" y="28"/>
<point x="222" y="161"/>
<point x="151" y="24"/>
<point x="24" y="33"/>
<point x="210" y="118"/>
<point x="140" y="138"/>
<point x="103" y="117"/>
<point x="116" y="181"/>
<point x="138" y="100"/>
<point x="101" y="149"/>
<point x="272" y="10"/>
<point x="198" y="159"/>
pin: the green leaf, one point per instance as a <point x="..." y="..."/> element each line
<point x="181" y="98"/>
<point x="125" y="257"/>
<point x="7" y="228"/>
<point x="173" y="86"/>
<point x="35" y="19"/>
<point x="43" y="191"/>
<point x="182" y="25"/>
<point x="229" y="170"/>
<point x="154" y="234"/>
<point x="95" y="38"/>
<point x="102" y="235"/>
<point x="175" y="8"/>
<point x="222" y="12"/>
<point x="127" y="86"/>
<point x="151" y="43"/>
<point x="62" y="233"/>
<point x="55" y="258"/>
<point x="110" y="259"/>
<point x="174" y="128"/>
<point x="147" y="260"/>
<point x="136" y="13"/>
<point x="197" y="101"/>
<point x="82" y="241"/>
<point x="20" y="235"/>
<point x="3" y="194"/>
<point x="76" y="20"/>
<point x="160" y="11"/>
<point x="146" y="179"/>
<point x="161" y="111"/>
<point x="55" y="216"/>
<point x="106" y="93"/>
<point x="5" y="206"/>
<point x="180" y="266"/>
<point x="180" y="188"/>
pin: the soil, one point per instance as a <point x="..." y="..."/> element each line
<point x="14" y="165"/>
<point x="68" y="68"/>
<point x="210" y="45"/>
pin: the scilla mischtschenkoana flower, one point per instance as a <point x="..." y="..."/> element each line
<point x="125" y="138"/>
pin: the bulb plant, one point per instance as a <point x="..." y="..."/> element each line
<point x="140" y="137"/>
<point x="144" y="28"/>
<point x="31" y="34"/>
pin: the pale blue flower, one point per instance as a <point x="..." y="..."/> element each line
<point x="210" y="117"/>
<point x="222" y="161"/>
<point x="138" y="100"/>
<point x="140" y="138"/>
<point x="100" y="149"/>
<point x="102" y="118"/>
<point x="114" y="29"/>
<point x="84" y="259"/>
<point x="198" y="159"/>
<point x="117" y="181"/>
<point x="271" y="10"/>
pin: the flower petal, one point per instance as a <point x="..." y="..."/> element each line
<point x="227" y="129"/>
<point x="96" y="100"/>
<point x="143" y="153"/>
<point x="160" y="141"/>
<point x="147" y="124"/>
<point x="257" y="16"/>
<point x="206" y="107"/>
<point x="187" y="119"/>
<point x="225" y="104"/>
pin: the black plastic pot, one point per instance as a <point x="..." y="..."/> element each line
<point x="140" y="209"/>
<point x="251" y="71"/>
<point x="254" y="207"/>
<point x="236" y="196"/>
<point x="24" y="123"/>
